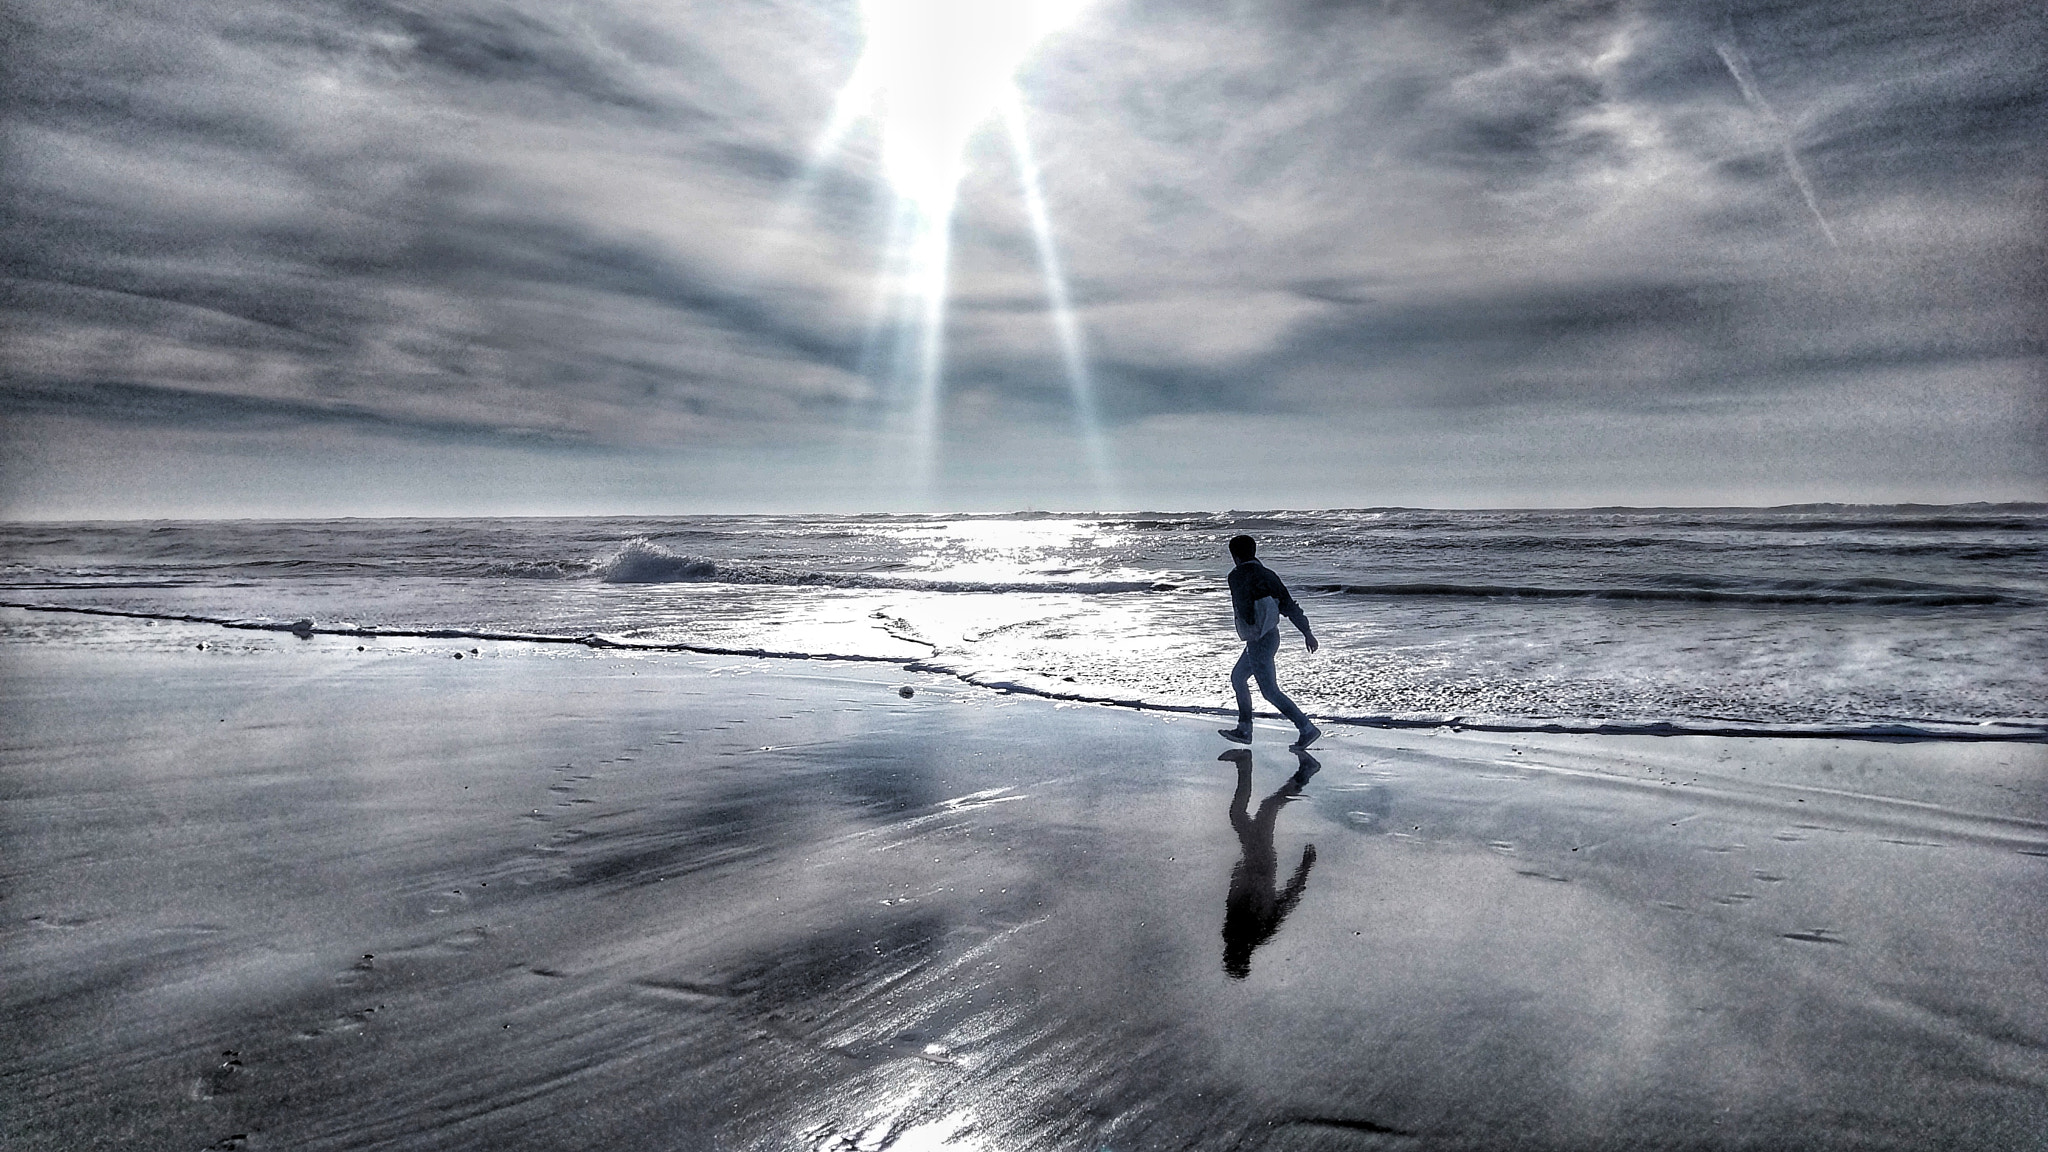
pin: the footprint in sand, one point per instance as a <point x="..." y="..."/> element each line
<point x="348" y="1024"/>
<point x="442" y="903"/>
<point x="567" y="788"/>
<point x="561" y="841"/>
<point x="227" y="1075"/>
<point x="1814" y="936"/>
<point x="468" y="940"/>
<point x="359" y="973"/>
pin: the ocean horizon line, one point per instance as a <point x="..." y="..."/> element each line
<point x="2025" y="507"/>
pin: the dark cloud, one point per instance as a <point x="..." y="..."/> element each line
<point x="160" y="407"/>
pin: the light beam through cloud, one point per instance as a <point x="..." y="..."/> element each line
<point x="1072" y="352"/>
<point x="933" y="73"/>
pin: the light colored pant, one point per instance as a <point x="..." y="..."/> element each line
<point x="1257" y="664"/>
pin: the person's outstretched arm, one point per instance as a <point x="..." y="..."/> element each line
<point x="1293" y="612"/>
<point x="1300" y="619"/>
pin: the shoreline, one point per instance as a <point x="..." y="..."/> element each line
<point x="1047" y="687"/>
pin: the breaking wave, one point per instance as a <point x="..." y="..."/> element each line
<point x="642" y="561"/>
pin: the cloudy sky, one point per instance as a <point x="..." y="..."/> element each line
<point x="487" y="256"/>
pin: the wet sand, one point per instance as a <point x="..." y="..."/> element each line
<point x="281" y="893"/>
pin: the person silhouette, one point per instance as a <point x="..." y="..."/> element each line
<point x="1255" y="907"/>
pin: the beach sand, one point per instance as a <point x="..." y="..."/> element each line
<point x="282" y="893"/>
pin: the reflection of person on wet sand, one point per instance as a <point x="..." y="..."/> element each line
<point x="1255" y="907"/>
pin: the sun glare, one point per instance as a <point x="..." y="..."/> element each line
<point x="940" y="69"/>
<point x="933" y="74"/>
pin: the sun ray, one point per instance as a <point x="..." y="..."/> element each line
<point x="933" y="264"/>
<point x="1066" y="329"/>
<point x="931" y="76"/>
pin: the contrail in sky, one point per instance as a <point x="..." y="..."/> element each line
<point x="1738" y="67"/>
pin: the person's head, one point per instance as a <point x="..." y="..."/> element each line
<point x="1243" y="548"/>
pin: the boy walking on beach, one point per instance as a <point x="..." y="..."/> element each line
<point x="1258" y="599"/>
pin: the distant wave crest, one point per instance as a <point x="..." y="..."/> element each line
<point x="537" y="569"/>
<point x="642" y="561"/>
<point x="1844" y="593"/>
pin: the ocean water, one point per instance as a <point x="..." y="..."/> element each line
<point x="1889" y="622"/>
